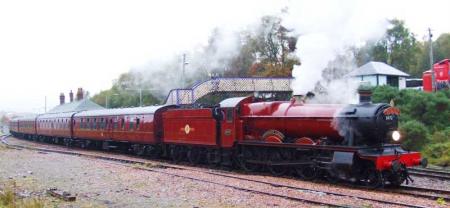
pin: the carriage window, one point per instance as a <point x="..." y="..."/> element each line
<point x="101" y="126"/>
<point x="122" y="123"/>
<point x="137" y="123"/>
<point x="131" y="125"/>
<point x="114" y="124"/>
<point x="95" y="123"/>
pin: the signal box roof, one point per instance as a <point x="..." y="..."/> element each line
<point x="374" y="68"/>
<point x="75" y="106"/>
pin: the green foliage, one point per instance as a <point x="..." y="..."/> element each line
<point x="431" y="109"/>
<point x="442" y="47"/>
<point x="266" y="51"/>
<point x="125" y="93"/>
<point x="414" y="134"/>
<point x="384" y="94"/>
<point x="441" y="201"/>
<point x="9" y="199"/>
<point x="398" y="48"/>
<point x="424" y="120"/>
<point x="441" y="50"/>
<point x="438" y="151"/>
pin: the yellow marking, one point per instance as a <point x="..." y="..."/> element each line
<point x="187" y="129"/>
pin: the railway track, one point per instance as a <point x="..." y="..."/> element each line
<point x="445" y="194"/>
<point x="443" y="175"/>
<point x="226" y="174"/>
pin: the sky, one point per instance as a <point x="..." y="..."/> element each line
<point x="49" y="47"/>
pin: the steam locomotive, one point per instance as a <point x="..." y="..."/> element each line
<point x="359" y="143"/>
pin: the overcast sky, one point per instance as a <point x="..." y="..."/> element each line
<point x="48" y="47"/>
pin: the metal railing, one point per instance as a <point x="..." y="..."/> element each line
<point x="199" y="90"/>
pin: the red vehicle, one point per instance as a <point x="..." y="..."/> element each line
<point x="27" y="125"/>
<point x="442" y="76"/>
<point x="138" y="126"/>
<point x="357" y="142"/>
<point x="54" y="127"/>
<point x="14" y="126"/>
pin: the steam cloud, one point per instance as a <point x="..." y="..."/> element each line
<point x="327" y="30"/>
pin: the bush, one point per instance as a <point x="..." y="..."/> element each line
<point x="414" y="134"/>
<point x="438" y="152"/>
<point x="384" y="94"/>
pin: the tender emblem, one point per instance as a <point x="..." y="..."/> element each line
<point x="187" y="129"/>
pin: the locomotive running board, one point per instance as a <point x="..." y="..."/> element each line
<point x="303" y="147"/>
<point x="278" y="164"/>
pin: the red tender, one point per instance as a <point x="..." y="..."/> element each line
<point x="190" y="126"/>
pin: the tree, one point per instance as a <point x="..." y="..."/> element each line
<point x="266" y="51"/>
<point x="273" y="45"/>
<point x="441" y="50"/>
<point x="124" y="92"/>
<point x="398" y="48"/>
<point x="442" y="47"/>
<point x="4" y="119"/>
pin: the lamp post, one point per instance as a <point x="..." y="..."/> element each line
<point x="433" y="79"/>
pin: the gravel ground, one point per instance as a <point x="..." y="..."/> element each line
<point x="108" y="184"/>
<point x="105" y="184"/>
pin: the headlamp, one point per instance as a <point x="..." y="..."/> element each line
<point x="396" y="136"/>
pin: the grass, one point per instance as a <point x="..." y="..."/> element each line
<point x="9" y="199"/>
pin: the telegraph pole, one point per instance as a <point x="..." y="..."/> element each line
<point x="433" y="79"/>
<point x="140" y="97"/>
<point x="183" y="68"/>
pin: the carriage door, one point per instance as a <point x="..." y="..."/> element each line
<point x="228" y="130"/>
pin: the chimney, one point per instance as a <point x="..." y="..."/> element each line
<point x="71" y="96"/>
<point x="365" y="94"/>
<point x="62" y="99"/>
<point x="80" y="94"/>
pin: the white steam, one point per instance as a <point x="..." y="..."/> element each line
<point x="327" y="30"/>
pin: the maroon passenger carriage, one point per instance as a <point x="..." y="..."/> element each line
<point x="54" y="127"/>
<point x="139" y="128"/>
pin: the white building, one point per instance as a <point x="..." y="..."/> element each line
<point x="378" y="73"/>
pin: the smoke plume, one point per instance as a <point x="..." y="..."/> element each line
<point x="327" y="29"/>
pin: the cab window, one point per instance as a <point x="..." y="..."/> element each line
<point x="229" y="115"/>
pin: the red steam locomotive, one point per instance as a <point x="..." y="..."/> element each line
<point x="358" y="143"/>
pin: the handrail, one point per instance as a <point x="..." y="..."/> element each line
<point x="226" y="84"/>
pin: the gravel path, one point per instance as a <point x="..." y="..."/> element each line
<point x="108" y="184"/>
